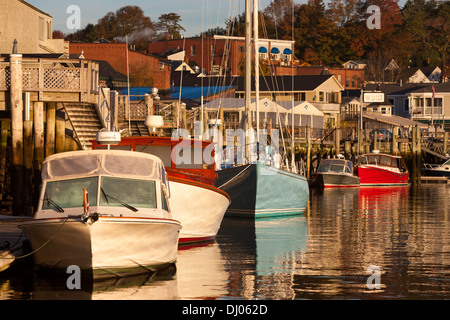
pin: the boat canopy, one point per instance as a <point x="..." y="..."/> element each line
<point x="335" y="165"/>
<point x="103" y="162"/>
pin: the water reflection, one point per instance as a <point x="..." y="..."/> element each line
<point x="403" y="231"/>
<point x="322" y="255"/>
<point x="262" y="256"/>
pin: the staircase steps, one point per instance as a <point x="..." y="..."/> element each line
<point x="85" y="121"/>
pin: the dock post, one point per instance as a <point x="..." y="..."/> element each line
<point x="416" y="156"/>
<point x="38" y="115"/>
<point x="445" y="142"/>
<point x="347" y="149"/>
<point x="337" y="140"/>
<point x="4" y="131"/>
<point x="16" y="103"/>
<point x="50" y="137"/>
<point x="394" y="146"/>
<point x="28" y="156"/>
<point x="308" y="151"/>
<point x="60" y="128"/>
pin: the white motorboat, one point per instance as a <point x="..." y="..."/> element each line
<point x="438" y="170"/>
<point x="106" y="211"/>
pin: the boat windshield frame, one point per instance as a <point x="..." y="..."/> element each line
<point x="338" y="166"/>
<point x="68" y="193"/>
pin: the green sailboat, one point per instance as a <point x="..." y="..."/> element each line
<point x="259" y="190"/>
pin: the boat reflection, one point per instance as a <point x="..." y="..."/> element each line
<point x="381" y="198"/>
<point x="269" y="252"/>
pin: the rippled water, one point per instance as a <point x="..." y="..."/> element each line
<point x="324" y="254"/>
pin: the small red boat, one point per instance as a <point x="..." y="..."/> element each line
<point x="380" y="169"/>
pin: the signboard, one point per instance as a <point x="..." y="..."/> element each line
<point x="373" y="97"/>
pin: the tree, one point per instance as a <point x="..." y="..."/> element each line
<point x="428" y="25"/>
<point x="127" y="21"/>
<point x="170" y="23"/>
<point x="58" y="34"/>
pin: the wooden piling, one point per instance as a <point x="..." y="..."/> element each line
<point x="416" y="156"/>
<point x="38" y="116"/>
<point x="445" y="142"/>
<point x="4" y="132"/>
<point x="308" y="152"/>
<point x="16" y="104"/>
<point x="337" y="141"/>
<point x="50" y="129"/>
<point x="394" y="146"/>
<point x="60" y="128"/>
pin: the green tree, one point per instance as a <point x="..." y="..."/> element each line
<point x="170" y="23"/>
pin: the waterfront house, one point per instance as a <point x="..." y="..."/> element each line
<point x="322" y="91"/>
<point x="423" y="74"/>
<point x="422" y="102"/>
<point x="220" y="55"/>
<point x="26" y="29"/>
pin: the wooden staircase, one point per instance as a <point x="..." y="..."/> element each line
<point x="138" y="128"/>
<point x="85" y="121"/>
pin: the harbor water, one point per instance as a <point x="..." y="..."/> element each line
<point x="382" y="243"/>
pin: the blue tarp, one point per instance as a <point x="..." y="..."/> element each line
<point x="137" y="93"/>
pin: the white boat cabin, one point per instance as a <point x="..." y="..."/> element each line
<point x="118" y="183"/>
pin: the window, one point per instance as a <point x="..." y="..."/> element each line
<point x="213" y="50"/>
<point x="406" y="105"/>
<point x="192" y="50"/>
<point x="69" y="193"/>
<point x="137" y="193"/>
<point x="42" y="29"/>
<point x="321" y="96"/>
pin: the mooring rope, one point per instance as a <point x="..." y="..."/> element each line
<point x="43" y="245"/>
<point x="232" y="179"/>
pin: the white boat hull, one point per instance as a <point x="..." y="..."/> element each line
<point x="107" y="246"/>
<point x="199" y="208"/>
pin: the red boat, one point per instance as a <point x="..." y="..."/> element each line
<point x="380" y="169"/>
<point x="195" y="201"/>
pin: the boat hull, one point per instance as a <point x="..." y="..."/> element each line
<point x="259" y="191"/>
<point x="437" y="171"/>
<point x="375" y="176"/>
<point x="107" y="247"/>
<point x="335" y="180"/>
<point x="200" y="209"/>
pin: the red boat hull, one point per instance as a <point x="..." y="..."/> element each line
<point x="372" y="175"/>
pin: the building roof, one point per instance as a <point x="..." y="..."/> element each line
<point x="34" y="8"/>
<point x="286" y="83"/>
<point x="408" y="88"/>
<point x="393" y="120"/>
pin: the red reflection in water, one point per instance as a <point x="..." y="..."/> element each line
<point x="381" y="197"/>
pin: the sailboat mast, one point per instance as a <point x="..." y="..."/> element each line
<point x="256" y="46"/>
<point x="248" y="71"/>
<point x="294" y="168"/>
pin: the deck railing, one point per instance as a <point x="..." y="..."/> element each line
<point x="53" y="75"/>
